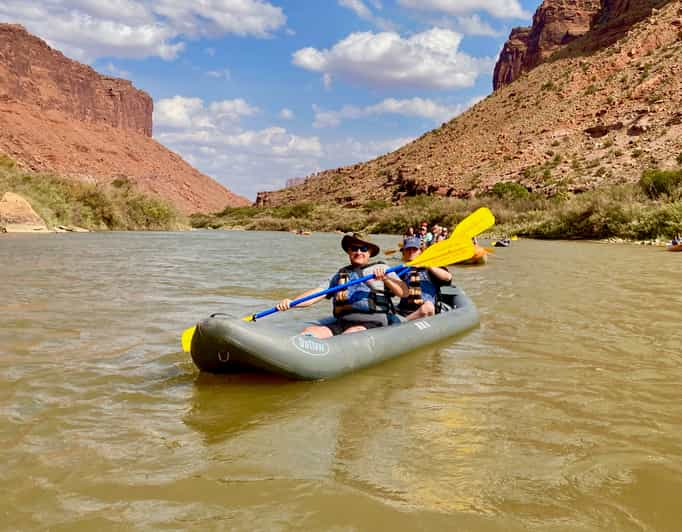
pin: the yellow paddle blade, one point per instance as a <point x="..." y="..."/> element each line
<point x="186" y="339"/>
<point x="248" y="318"/>
<point x="477" y="222"/>
<point x="446" y="252"/>
<point x="474" y="224"/>
<point x="515" y="237"/>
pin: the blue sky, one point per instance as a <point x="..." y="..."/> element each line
<point x="253" y="92"/>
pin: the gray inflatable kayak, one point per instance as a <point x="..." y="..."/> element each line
<point x="273" y="344"/>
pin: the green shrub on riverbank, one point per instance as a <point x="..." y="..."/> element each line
<point x="62" y="201"/>
<point x="624" y="211"/>
<point x="657" y="183"/>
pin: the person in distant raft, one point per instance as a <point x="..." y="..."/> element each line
<point x="361" y="306"/>
<point x="423" y="284"/>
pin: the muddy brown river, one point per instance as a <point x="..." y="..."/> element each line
<point x="562" y="412"/>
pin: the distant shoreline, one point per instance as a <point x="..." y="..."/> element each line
<point x="619" y="212"/>
<point x="648" y="211"/>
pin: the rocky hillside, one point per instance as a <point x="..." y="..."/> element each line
<point x="62" y="116"/>
<point x="605" y="106"/>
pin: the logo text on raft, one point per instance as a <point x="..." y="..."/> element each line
<point x="310" y="345"/>
<point x="421" y="325"/>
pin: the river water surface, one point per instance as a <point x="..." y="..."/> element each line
<point x="563" y="411"/>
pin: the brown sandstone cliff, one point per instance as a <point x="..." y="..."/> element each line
<point x="62" y="116"/>
<point x="600" y="114"/>
<point x="557" y="23"/>
<point x="31" y="71"/>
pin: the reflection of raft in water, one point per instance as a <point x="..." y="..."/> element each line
<point x="223" y="345"/>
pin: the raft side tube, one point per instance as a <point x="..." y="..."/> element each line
<point x="223" y="345"/>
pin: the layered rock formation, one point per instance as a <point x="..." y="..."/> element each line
<point x="586" y="118"/>
<point x="555" y="24"/>
<point x="61" y="116"/>
<point x="31" y="71"/>
<point x="558" y="23"/>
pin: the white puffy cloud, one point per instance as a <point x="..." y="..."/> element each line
<point x="497" y="8"/>
<point x="231" y="110"/>
<point x="219" y="74"/>
<point x="85" y="37"/>
<point x="414" y="107"/>
<point x="350" y="150"/>
<point x="247" y="161"/>
<point x="268" y="142"/>
<point x="217" y="17"/>
<point x="251" y="160"/>
<point x="87" y="29"/>
<point x="429" y="59"/>
<point x="467" y="25"/>
<point x="209" y="136"/>
<point x="357" y="6"/>
<point x="474" y="25"/>
<point x="286" y="114"/>
<point x="180" y="112"/>
<point x="362" y="11"/>
<point x="130" y="11"/>
<point x="115" y="71"/>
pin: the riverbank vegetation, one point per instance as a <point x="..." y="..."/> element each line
<point x="62" y="201"/>
<point x="649" y="209"/>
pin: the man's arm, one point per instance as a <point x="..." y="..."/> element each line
<point x="391" y="281"/>
<point x="441" y="274"/>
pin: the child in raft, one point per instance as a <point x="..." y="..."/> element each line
<point x="423" y="284"/>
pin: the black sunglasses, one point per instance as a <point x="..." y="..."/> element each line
<point x="364" y="249"/>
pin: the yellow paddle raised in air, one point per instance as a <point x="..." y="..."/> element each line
<point x="474" y="224"/>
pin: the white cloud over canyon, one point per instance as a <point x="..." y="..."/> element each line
<point x="496" y="8"/>
<point x="365" y="13"/>
<point x="210" y="136"/>
<point x="413" y="107"/>
<point x="88" y="29"/>
<point x="429" y="59"/>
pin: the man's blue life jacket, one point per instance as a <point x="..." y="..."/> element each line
<point x="361" y="297"/>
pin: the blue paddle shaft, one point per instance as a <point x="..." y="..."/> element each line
<point x="331" y="290"/>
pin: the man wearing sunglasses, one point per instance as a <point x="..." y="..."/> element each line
<point x="362" y="306"/>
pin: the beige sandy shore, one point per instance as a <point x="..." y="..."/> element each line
<point x="36" y="228"/>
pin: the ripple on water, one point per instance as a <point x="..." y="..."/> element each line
<point x="562" y="412"/>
